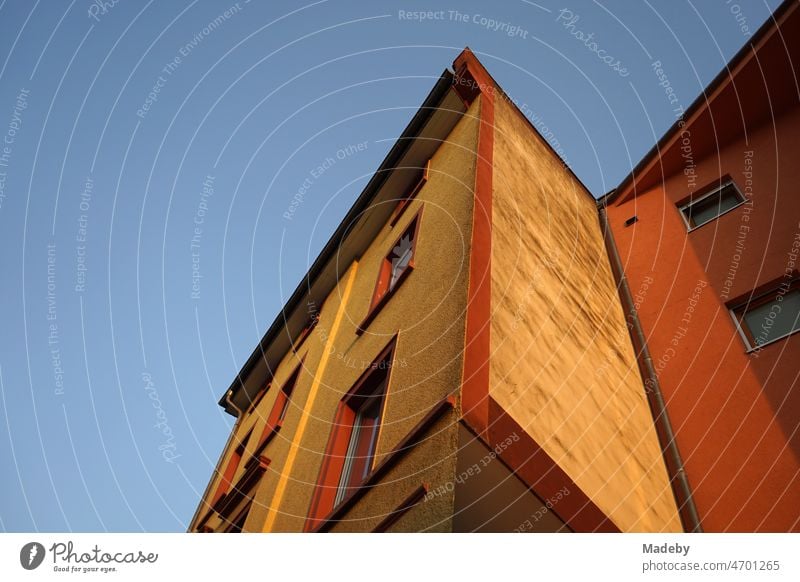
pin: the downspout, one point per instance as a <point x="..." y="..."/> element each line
<point x="234" y="430"/>
<point x="672" y="457"/>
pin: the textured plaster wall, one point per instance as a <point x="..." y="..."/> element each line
<point x="562" y="363"/>
<point x="310" y="354"/>
<point x="431" y="462"/>
<point x="427" y="311"/>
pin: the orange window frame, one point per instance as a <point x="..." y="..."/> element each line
<point x="330" y="474"/>
<point x="383" y="290"/>
<point x="230" y="469"/>
<point x="279" y="410"/>
<point x="306" y="331"/>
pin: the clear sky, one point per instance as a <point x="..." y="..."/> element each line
<point x="151" y="150"/>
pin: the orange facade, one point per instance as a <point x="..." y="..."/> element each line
<point x="735" y="409"/>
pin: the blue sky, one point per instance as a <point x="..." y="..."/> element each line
<point x="152" y="156"/>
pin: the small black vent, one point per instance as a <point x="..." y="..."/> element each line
<point x="631" y="220"/>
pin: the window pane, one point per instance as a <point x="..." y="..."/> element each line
<point x="367" y="438"/>
<point x="347" y="470"/>
<point x="712" y="206"/>
<point x="364" y="436"/>
<point x="360" y="448"/>
<point x="401" y="257"/>
<point x="774" y="319"/>
<point x="281" y="406"/>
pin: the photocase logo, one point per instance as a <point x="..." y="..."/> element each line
<point x="31" y="555"/>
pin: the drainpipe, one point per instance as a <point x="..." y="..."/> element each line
<point x="234" y="430"/>
<point x="239" y="412"/>
<point x="672" y="457"/>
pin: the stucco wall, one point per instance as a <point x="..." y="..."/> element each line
<point x="428" y="312"/>
<point x="562" y="364"/>
<point x="735" y="414"/>
<point x="432" y="462"/>
<point x="255" y="420"/>
<point x="310" y="353"/>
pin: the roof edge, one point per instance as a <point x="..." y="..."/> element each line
<point x="468" y="55"/>
<point x="726" y="73"/>
<point x="380" y="175"/>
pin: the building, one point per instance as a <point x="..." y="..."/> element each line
<point x="707" y="227"/>
<point x="474" y="349"/>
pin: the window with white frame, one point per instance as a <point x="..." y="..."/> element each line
<point x="704" y="209"/>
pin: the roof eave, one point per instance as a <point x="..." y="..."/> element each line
<point x="702" y="99"/>
<point x="328" y="252"/>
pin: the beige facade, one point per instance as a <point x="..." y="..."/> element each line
<point x="562" y="364"/>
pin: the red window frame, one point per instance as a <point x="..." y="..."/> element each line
<point x="369" y="391"/>
<point x="230" y="469"/>
<point x="306" y="331"/>
<point x="279" y="410"/>
<point x="363" y="438"/>
<point x="383" y="287"/>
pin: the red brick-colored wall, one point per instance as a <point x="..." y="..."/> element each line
<point x="736" y="414"/>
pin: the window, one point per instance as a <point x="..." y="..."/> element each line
<point x="711" y="205"/>
<point x="364" y="435"/>
<point x="400" y="258"/>
<point x="351" y="447"/>
<point x="395" y="267"/>
<point x="237" y="525"/>
<point x="257" y="400"/>
<point x="770" y="316"/>
<point x="417" y="182"/>
<point x="230" y="469"/>
<point x="397" y="263"/>
<point x="283" y="400"/>
<point x="278" y="413"/>
<point x="306" y="331"/>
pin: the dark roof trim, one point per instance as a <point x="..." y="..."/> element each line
<point x="328" y="252"/>
<point x="701" y="100"/>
